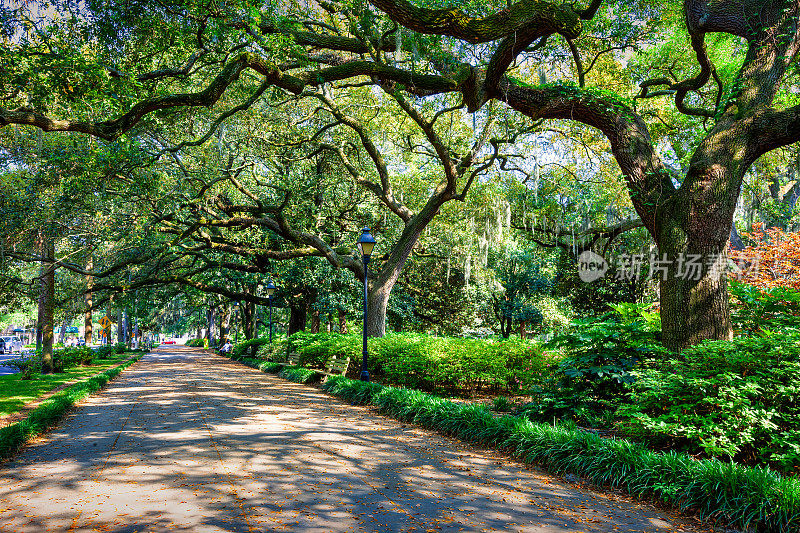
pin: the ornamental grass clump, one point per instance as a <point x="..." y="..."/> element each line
<point x="755" y="499"/>
<point x="298" y="374"/>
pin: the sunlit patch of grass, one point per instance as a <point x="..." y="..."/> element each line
<point x="16" y="392"/>
<point x="52" y="409"/>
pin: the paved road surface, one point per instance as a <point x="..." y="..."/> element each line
<point x="5" y="370"/>
<point x="187" y="441"/>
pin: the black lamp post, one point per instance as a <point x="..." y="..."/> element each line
<point x="365" y="245"/>
<point x="270" y="292"/>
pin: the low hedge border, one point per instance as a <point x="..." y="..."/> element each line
<point x="14" y="436"/>
<point x="297" y="374"/>
<point x="265" y="366"/>
<point x="753" y="498"/>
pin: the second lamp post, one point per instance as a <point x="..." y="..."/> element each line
<point x="270" y="292"/>
<point x="365" y="245"/>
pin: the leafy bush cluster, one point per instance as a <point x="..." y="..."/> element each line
<point x="430" y="363"/>
<point x="737" y="398"/>
<point x="103" y="352"/>
<point x="72" y="356"/>
<point x="456" y="364"/>
<point x="596" y="368"/>
<point x="275" y="351"/>
<point x="754" y="310"/>
<point x="249" y="347"/>
<point x="27" y="367"/>
<point x="64" y="358"/>
<point x="747" y="497"/>
<point x="316" y="348"/>
<point x="195" y="343"/>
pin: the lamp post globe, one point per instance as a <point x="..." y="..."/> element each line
<point x="270" y="291"/>
<point x="366" y="243"/>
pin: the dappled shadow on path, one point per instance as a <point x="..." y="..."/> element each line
<point x="186" y="440"/>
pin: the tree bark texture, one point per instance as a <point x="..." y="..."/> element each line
<point x="87" y="315"/>
<point x="211" y="326"/>
<point x="297" y="317"/>
<point x="315" y="320"/>
<point x="46" y="304"/>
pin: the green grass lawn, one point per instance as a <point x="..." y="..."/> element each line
<point x="15" y="392"/>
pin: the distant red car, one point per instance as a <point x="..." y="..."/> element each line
<point x="171" y="341"/>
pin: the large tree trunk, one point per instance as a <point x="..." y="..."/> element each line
<point x="224" y="330"/>
<point x="692" y="238"/>
<point x="62" y="330"/>
<point x="46" y="304"/>
<point x="315" y="320"/>
<point x="121" y="333"/>
<point x="211" y="327"/>
<point x="297" y="317"/>
<point x="246" y="318"/>
<point x="694" y="292"/>
<point x="377" y="302"/>
<point x="87" y="315"/>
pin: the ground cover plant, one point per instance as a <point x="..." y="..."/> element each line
<point x="756" y="309"/>
<point x="51" y="410"/>
<point x="298" y="374"/>
<point x="592" y="367"/>
<point x="16" y="392"/>
<point x="735" y="399"/>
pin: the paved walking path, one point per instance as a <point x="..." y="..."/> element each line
<point x="188" y="441"/>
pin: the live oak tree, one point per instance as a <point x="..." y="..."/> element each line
<point x="486" y="52"/>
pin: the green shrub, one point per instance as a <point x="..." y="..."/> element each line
<point x="103" y="352"/>
<point x="316" y="349"/>
<point x="248" y="348"/>
<point x="455" y="364"/>
<point x="272" y="352"/>
<point x="72" y="356"/>
<point x="754" y="309"/>
<point x="27" y="367"/>
<point x="746" y="497"/>
<point x="195" y="343"/>
<point x="596" y="368"/>
<point x="737" y="398"/>
<point x="430" y="363"/>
